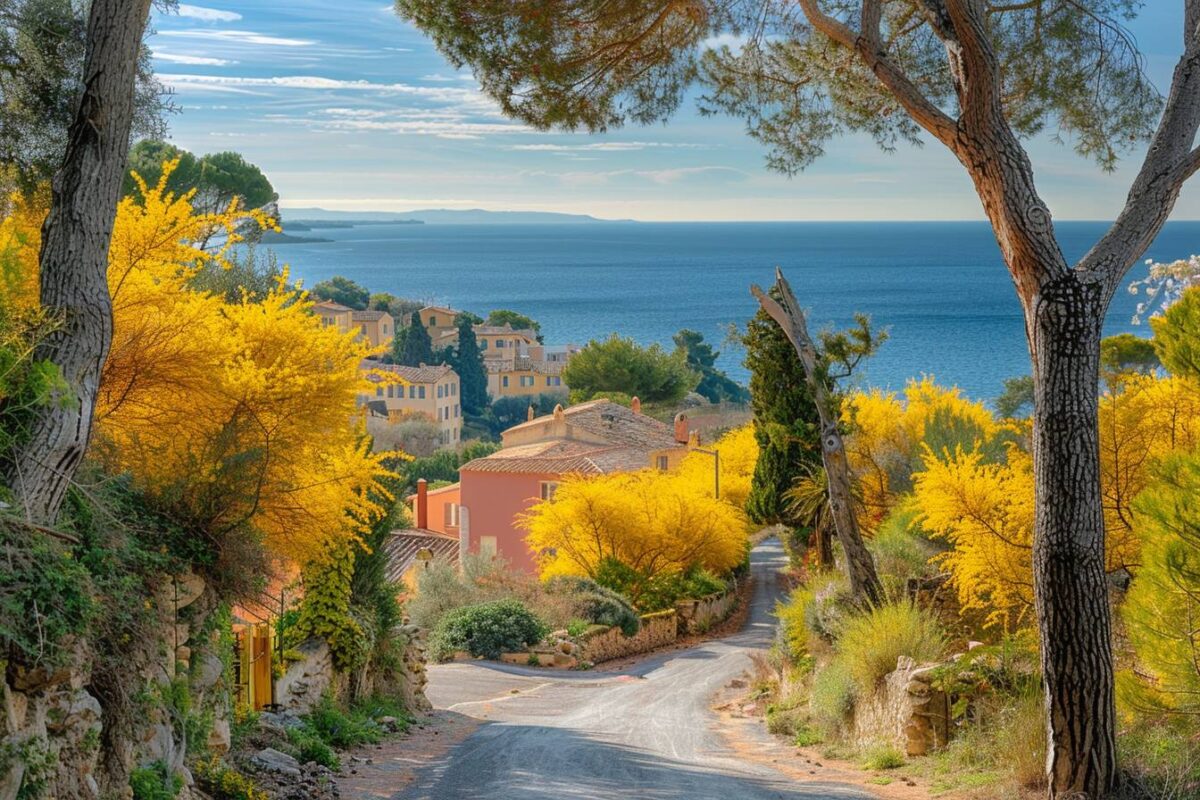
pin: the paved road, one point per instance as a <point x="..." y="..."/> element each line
<point x="645" y="732"/>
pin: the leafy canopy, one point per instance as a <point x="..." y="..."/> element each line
<point x="341" y="290"/>
<point x="618" y="364"/>
<point x="715" y="385"/>
<point x="597" y="64"/>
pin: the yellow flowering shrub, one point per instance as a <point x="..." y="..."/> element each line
<point x="739" y="453"/>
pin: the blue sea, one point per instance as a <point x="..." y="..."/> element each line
<point x="940" y="289"/>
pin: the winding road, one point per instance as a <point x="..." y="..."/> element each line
<point x="643" y="732"/>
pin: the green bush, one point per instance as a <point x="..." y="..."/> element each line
<point x="155" y="782"/>
<point x="598" y="605"/>
<point x="337" y="728"/>
<point x="831" y="698"/>
<point x="308" y="746"/>
<point x="486" y="630"/>
<point x="832" y="604"/>
<point x="900" y="555"/>
<point x="656" y="591"/>
<point x="870" y="643"/>
<point x="223" y="782"/>
<point x="883" y="757"/>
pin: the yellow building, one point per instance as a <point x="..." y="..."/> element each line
<point x="376" y="327"/>
<point x="334" y="315"/>
<point x="523" y="377"/>
<point x="431" y="392"/>
<point x="439" y="321"/>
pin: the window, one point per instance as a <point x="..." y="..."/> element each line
<point x="504" y="381"/>
<point x="385" y="329"/>
<point x="441" y="389"/>
<point x="390" y="389"/>
<point x="662" y="462"/>
<point x="457" y="410"/>
<point x="433" y="322"/>
<point x="500" y="343"/>
<point x="548" y="489"/>
<point x="483" y="344"/>
<point x="379" y="391"/>
<point x="487" y="546"/>
<point x="420" y="392"/>
<point x="454" y="390"/>
<point x="548" y="381"/>
<point x="451" y="515"/>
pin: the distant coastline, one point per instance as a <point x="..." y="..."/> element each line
<point x="322" y="217"/>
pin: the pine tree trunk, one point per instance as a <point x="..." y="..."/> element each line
<point x="74" y="256"/>
<point x="1065" y="323"/>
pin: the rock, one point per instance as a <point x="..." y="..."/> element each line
<point x="219" y="738"/>
<point x="278" y="723"/>
<point x="271" y="760"/>
<point x="208" y="671"/>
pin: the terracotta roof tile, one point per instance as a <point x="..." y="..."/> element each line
<point x="368" y="316"/>
<point x="402" y="546"/>
<point x="425" y="374"/>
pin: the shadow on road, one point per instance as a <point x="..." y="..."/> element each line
<point x="526" y="762"/>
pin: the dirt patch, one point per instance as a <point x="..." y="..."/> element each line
<point x="383" y="771"/>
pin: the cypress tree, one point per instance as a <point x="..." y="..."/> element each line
<point x="468" y="363"/>
<point x="785" y="420"/>
<point x="415" y="347"/>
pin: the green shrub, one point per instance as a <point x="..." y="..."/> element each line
<point x="900" y="555"/>
<point x="1020" y="739"/>
<point x="378" y="706"/>
<point x="831" y="605"/>
<point x="870" y="643"/>
<point x="831" y="698"/>
<point x="1161" y="759"/>
<point x="598" y="605"/>
<point x="337" y="728"/>
<point x="308" y="746"/>
<point x="883" y="757"/>
<point x="155" y="782"/>
<point x="793" y="630"/>
<point x="577" y="627"/>
<point x="486" y="630"/>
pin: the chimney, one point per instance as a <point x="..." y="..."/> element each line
<point x="682" y="428"/>
<point x="422" y="504"/>
<point x="636" y="405"/>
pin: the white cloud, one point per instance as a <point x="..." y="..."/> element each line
<point x="183" y="58"/>
<point x="733" y="41"/>
<point x="601" y="147"/>
<point x="241" y="37"/>
<point x="207" y="14"/>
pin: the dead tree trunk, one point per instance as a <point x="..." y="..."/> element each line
<point x="860" y="567"/>
<point x="74" y="256"/>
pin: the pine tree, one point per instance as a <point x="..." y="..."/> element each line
<point x="415" y="347"/>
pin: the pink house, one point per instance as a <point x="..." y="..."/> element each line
<point x="594" y="438"/>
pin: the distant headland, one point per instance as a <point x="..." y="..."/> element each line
<point x="313" y="218"/>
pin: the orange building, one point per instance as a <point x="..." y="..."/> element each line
<point x="428" y="391"/>
<point x="594" y="438"/>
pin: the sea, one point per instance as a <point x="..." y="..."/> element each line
<point x="940" y="289"/>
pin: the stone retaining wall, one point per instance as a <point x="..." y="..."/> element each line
<point x="698" y="616"/>
<point x="905" y="711"/>
<point x="604" y="644"/>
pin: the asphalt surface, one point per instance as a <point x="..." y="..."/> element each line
<point x="643" y="732"/>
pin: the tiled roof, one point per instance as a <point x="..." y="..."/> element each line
<point x="402" y="547"/>
<point x="424" y="374"/>
<point x="329" y="305"/>
<point x="368" y="315"/>
<point x="440" y="308"/>
<point x="500" y="330"/>
<point x="630" y="439"/>
<point x="614" y="423"/>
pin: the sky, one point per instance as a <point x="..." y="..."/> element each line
<point x="346" y="106"/>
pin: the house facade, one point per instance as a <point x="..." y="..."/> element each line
<point x="377" y="328"/>
<point x="431" y="392"/>
<point x="334" y="315"/>
<point x="595" y="438"/>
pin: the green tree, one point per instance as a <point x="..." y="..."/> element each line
<point x="218" y="178"/>
<point x="619" y="364"/>
<point x="1177" y="335"/>
<point x="340" y="289"/>
<point x="1017" y="398"/>
<point x="519" y="322"/>
<point x="1125" y="353"/>
<point x="786" y="426"/>
<point x="714" y="384"/>
<point x="414" y="347"/>
<point x="42" y="46"/>
<point x="468" y="363"/>
<point x="401" y="308"/>
<point x="976" y="78"/>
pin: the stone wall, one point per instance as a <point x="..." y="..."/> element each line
<point x="604" y="644"/>
<point x="905" y="711"/>
<point x="698" y="616"/>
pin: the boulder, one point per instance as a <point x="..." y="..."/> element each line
<point x="271" y="760"/>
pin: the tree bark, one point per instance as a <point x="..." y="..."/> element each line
<point x="74" y="257"/>
<point x="1070" y="584"/>
<point x="860" y="567"/>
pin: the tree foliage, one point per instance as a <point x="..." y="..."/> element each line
<point x="619" y="364"/>
<point x="518" y="321"/>
<point x="1175" y="335"/>
<point x="217" y="179"/>
<point x="714" y="384"/>
<point x="412" y="346"/>
<point x="467" y="361"/>
<point x="343" y="291"/>
<point x="651" y="523"/>
<point x="738" y="451"/>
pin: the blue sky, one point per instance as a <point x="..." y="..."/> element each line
<point x="345" y="106"/>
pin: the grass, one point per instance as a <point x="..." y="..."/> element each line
<point x="883" y="757"/>
<point x="871" y="643"/>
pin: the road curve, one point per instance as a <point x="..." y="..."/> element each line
<point x="643" y="732"/>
